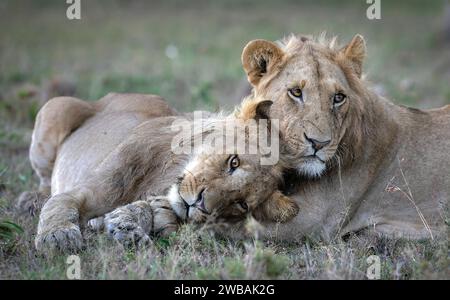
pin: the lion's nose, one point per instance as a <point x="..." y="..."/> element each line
<point x="200" y="201"/>
<point x="316" y="144"/>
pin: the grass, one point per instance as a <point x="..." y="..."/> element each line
<point x="189" y="54"/>
<point x="197" y="254"/>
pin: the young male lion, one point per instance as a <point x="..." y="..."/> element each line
<point x="61" y="116"/>
<point x="116" y="157"/>
<point x="371" y="163"/>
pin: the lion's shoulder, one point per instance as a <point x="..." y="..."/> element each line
<point x="148" y="104"/>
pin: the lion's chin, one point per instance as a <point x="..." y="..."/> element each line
<point x="192" y="214"/>
<point x="196" y="217"/>
<point x="312" y="168"/>
<point x="177" y="203"/>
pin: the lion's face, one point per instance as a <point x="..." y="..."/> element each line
<point x="228" y="187"/>
<point x="310" y="86"/>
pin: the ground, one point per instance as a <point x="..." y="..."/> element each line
<point x="189" y="53"/>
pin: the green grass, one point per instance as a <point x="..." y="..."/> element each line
<point x="121" y="46"/>
<point x="197" y="254"/>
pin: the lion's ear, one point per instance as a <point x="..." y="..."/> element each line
<point x="278" y="208"/>
<point x="355" y="52"/>
<point x="262" y="110"/>
<point x="254" y="109"/>
<point x="259" y="57"/>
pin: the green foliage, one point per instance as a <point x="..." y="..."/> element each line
<point x="202" y="94"/>
<point x="207" y="273"/>
<point x="447" y="97"/>
<point x="9" y="230"/>
<point x="235" y="268"/>
<point x="267" y="262"/>
<point x="16" y="77"/>
<point x="33" y="110"/>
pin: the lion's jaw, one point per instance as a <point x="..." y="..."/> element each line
<point x="311" y="167"/>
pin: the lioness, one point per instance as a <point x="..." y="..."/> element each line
<point x="371" y="163"/>
<point x="117" y="157"/>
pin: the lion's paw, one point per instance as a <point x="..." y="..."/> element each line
<point x="130" y="224"/>
<point x="63" y="239"/>
<point x="96" y="224"/>
<point x="126" y="232"/>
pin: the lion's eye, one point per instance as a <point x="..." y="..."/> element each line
<point x="339" y="98"/>
<point x="233" y="163"/>
<point x="243" y="205"/>
<point x="295" y="94"/>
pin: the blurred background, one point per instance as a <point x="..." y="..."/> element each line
<point x="189" y="53"/>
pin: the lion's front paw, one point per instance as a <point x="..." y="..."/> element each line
<point x="62" y="239"/>
<point x="130" y="224"/>
<point x="96" y="224"/>
<point x="128" y="233"/>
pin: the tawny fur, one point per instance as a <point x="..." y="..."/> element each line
<point x="118" y="156"/>
<point x="61" y="116"/>
<point x="386" y="167"/>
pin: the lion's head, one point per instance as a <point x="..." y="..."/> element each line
<point x="229" y="187"/>
<point x="315" y="86"/>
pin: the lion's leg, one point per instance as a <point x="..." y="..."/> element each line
<point x="58" y="227"/>
<point x="57" y="119"/>
<point x="61" y="215"/>
<point x="409" y="230"/>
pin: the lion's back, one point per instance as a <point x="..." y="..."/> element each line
<point x="89" y="145"/>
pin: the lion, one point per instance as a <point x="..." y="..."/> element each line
<point x="61" y="116"/>
<point x="362" y="162"/>
<point x="119" y="156"/>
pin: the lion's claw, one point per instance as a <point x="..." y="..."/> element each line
<point x="64" y="239"/>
